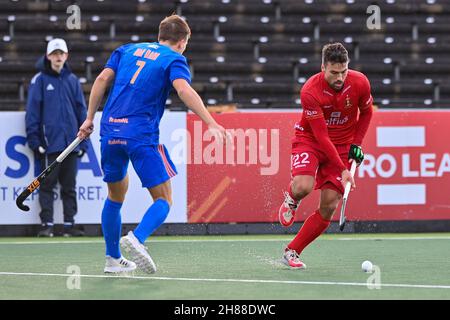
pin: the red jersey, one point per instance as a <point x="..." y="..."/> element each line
<point x="338" y="108"/>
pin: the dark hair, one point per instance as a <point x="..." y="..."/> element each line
<point x="173" y="29"/>
<point x="334" y="53"/>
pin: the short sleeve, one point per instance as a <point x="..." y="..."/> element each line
<point x="114" y="59"/>
<point x="179" y="69"/>
<point x="365" y="99"/>
<point x="311" y="107"/>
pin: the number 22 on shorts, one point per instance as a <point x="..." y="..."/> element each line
<point x="141" y="65"/>
<point x="300" y="160"/>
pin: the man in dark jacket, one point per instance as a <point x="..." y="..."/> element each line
<point x="55" y="110"/>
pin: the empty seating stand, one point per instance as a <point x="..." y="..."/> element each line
<point x="253" y="53"/>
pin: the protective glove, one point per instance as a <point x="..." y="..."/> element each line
<point x="356" y="153"/>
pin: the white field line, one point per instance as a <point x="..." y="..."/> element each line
<point x="361" y="284"/>
<point x="228" y="240"/>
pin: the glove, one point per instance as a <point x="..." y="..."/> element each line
<point x="356" y="153"/>
<point x="81" y="153"/>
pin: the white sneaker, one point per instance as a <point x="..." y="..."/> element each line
<point x="292" y="259"/>
<point x="119" y="265"/>
<point x="138" y="252"/>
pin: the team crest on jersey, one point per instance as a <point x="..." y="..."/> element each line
<point x="348" y="102"/>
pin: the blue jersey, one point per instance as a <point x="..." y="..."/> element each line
<point x="144" y="73"/>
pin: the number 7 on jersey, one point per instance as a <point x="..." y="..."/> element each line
<point x="141" y="65"/>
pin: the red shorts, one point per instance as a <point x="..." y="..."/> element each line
<point x="308" y="159"/>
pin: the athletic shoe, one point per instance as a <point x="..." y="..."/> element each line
<point x="119" y="265"/>
<point x="286" y="213"/>
<point x="138" y="252"/>
<point x="46" y="231"/>
<point x="292" y="259"/>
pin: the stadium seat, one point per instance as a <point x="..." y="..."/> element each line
<point x="259" y="52"/>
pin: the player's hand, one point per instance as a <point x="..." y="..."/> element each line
<point x="347" y="177"/>
<point x="86" y="129"/>
<point x="219" y="132"/>
<point x="356" y="154"/>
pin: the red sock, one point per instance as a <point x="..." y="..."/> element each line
<point x="313" y="227"/>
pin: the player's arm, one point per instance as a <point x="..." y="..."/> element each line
<point x="320" y="131"/>
<point x="362" y="125"/>
<point x="101" y="84"/>
<point x="314" y="115"/>
<point x="80" y="112"/>
<point x="366" y="111"/>
<point x="193" y="101"/>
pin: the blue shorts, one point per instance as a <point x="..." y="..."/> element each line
<point x="152" y="163"/>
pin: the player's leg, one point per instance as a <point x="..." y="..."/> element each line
<point x="154" y="217"/>
<point x="327" y="179"/>
<point x="112" y="228"/>
<point x="158" y="211"/>
<point x="304" y="163"/>
<point x="317" y="222"/>
<point x="114" y="160"/>
<point x="299" y="188"/>
<point x="154" y="168"/>
<point x="304" y="167"/>
<point x="111" y="216"/>
<point x="118" y="190"/>
<point x="329" y="201"/>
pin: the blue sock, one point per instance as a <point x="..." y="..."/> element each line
<point x="112" y="227"/>
<point x="153" y="218"/>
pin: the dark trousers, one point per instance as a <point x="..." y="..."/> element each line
<point x="65" y="174"/>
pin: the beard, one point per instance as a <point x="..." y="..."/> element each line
<point x="337" y="85"/>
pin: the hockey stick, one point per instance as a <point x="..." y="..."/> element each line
<point x="44" y="174"/>
<point x="344" y="198"/>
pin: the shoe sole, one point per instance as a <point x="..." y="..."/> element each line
<point x="280" y="215"/>
<point x="143" y="261"/>
<point x="118" y="269"/>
